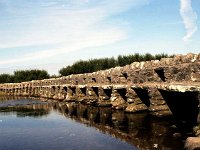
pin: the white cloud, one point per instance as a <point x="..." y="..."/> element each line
<point x="58" y="24"/>
<point x="70" y="26"/>
<point x="189" y="18"/>
<point x="92" y="40"/>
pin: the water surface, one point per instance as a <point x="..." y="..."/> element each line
<point x="34" y="125"/>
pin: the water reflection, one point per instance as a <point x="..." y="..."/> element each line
<point x="140" y="130"/>
<point x="23" y="107"/>
<point x="24" y="111"/>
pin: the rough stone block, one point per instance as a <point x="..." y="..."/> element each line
<point x="115" y="101"/>
<point x="195" y="77"/>
<point x="136" y="108"/>
<point x="154" y="108"/>
<point x="192" y="143"/>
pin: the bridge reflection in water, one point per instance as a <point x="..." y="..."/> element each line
<point x="140" y="130"/>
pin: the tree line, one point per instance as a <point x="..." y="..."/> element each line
<point x="24" y="75"/>
<point x="81" y="66"/>
<point x="92" y="65"/>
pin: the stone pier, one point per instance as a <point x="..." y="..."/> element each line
<point x="168" y="86"/>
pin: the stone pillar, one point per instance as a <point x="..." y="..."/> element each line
<point x="93" y="94"/>
<point x="71" y="93"/>
<point x="105" y="93"/>
<point x="135" y="104"/>
<point x="60" y="93"/>
<point x="81" y="91"/>
<point x="158" y="106"/>
<point x="118" y="97"/>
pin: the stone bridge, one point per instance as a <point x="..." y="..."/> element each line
<point x="171" y="85"/>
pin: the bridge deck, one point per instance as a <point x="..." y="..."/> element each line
<point x="173" y="86"/>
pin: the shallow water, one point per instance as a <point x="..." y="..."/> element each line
<point x="34" y="125"/>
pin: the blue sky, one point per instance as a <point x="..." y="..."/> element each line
<point x="50" y="34"/>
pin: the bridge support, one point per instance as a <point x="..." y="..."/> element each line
<point x="184" y="106"/>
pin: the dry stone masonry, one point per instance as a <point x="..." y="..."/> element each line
<point x="168" y="86"/>
<point x="135" y="87"/>
<point x="140" y="86"/>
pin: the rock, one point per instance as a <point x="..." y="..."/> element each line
<point x="177" y="135"/>
<point x="104" y="104"/>
<point x="130" y="100"/>
<point x="136" y="108"/>
<point x="122" y="106"/>
<point x="196" y="130"/>
<point x="161" y="113"/>
<point x="113" y="98"/>
<point x="197" y="133"/>
<point x="155" y="146"/>
<point x="138" y="101"/>
<point x="173" y="127"/>
<point x="61" y="96"/>
<point x="189" y="58"/>
<point x="195" y="77"/>
<point x="192" y="143"/>
<point x="198" y="117"/>
<point x="154" y="108"/>
<point x="117" y="102"/>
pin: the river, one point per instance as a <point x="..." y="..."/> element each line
<point x="27" y="124"/>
